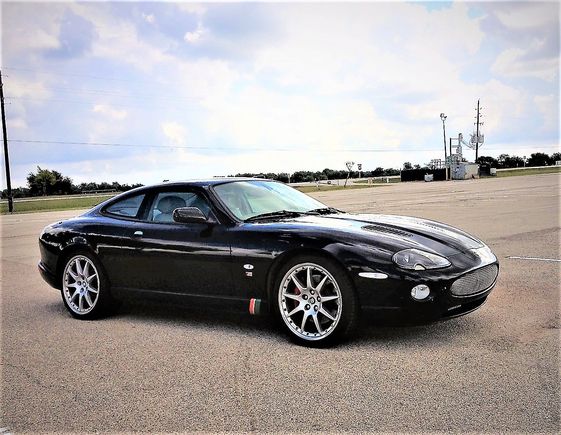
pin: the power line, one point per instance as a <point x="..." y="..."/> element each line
<point x="109" y="144"/>
<point x="112" y="93"/>
<point x="64" y="74"/>
<point x="222" y="148"/>
<point x="92" y="103"/>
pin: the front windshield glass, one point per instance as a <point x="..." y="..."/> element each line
<point x="246" y="199"/>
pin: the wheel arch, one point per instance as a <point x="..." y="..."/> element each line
<point x="285" y="257"/>
<point x="75" y="245"/>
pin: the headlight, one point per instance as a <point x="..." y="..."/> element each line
<point x="414" y="259"/>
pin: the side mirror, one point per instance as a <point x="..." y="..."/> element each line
<point x="189" y="215"/>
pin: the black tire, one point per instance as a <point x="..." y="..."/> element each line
<point x="79" y="292"/>
<point x="344" y="309"/>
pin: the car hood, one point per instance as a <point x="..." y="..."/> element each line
<point x="402" y="232"/>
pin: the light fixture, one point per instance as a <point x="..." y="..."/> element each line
<point x="420" y="292"/>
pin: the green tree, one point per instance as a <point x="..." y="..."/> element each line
<point x="488" y="160"/>
<point x="539" y="159"/>
<point x="47" y="182"/>
<point x="506" y="161"/>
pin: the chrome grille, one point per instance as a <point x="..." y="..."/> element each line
<point x="476" y="281"/>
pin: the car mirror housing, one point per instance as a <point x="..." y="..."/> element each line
<point x="189" y="215"/>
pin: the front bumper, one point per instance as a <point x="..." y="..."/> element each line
<point x="392" y="296"/>
<point x="439" y="306"/>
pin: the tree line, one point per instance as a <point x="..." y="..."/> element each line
<point x="326" y="174"/>
<point x="505" y="161"/>
<point x="502" y="162"/>
<point x="51" y="182"/>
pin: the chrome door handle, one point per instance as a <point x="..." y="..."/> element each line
<point x="138" y="234"/>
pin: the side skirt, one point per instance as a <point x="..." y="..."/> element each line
<point x="226" y="303"/>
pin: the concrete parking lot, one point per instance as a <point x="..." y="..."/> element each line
<point x="167" y="369"/>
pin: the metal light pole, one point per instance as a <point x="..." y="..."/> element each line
<point x="443" y="117"/>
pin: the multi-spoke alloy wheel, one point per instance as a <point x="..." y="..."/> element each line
<point x="310" y="301"/>
<point x="81" y="285"/>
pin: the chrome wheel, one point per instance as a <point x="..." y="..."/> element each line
<point x="310" y="301"/>
<point x="80" y="284"/>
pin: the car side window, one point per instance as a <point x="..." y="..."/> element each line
<point x="128" y="207"/>
<point x="166" y="202"/>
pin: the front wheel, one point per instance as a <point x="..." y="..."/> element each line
<point x="85" y="291"/>
<point x="316" y="301"/>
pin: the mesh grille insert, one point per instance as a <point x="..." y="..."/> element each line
<point x="476" y="281"/>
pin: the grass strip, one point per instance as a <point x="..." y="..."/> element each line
<point x="38" y="205"/>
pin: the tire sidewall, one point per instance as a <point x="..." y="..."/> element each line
<point x="104" y="297"/>
<point x="349" y="315"/>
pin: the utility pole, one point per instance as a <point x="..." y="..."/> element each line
<point x="443" y="118"/>
<point x="477" y="124"/>
<point x="6" y="157"/>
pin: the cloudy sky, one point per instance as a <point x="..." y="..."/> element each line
<point x="184" y="90"/>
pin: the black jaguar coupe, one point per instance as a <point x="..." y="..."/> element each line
<point x="262" y="246"/>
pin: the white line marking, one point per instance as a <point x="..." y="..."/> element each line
<point x="534" y="258"/>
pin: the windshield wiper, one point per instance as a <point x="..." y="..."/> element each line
<point x="326" y="210"/>
<point x="275" y="214"/>
<point x="292" y="213"/>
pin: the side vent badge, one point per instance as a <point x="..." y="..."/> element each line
<point x="248" y="268"/>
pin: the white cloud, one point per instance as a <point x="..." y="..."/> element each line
<point x="24" y="88"/>
<point x="149" y="18"/>
<point x="371" y="46"/>
<point x="175" y="132"/>
<point x="109" y="111"/>
<point x="548" y="105"/>
<point x="256" y="116"/>
<point x="118" y="40"/>
<point x="515" y="62"/>
<point x="39" y="30"/>
<point x="193" y="37"/>
<point x="17" y="123"/>
<point x="525" y="15"/>
<point x="192" y="8"/>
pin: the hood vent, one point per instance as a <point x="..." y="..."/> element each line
<point x="386" y="229"/>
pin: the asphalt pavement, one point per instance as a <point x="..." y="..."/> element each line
<point x="166" y="369"/>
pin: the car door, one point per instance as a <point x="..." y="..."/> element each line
<point x="112" y="238"/>
<point x="180" y="258"/>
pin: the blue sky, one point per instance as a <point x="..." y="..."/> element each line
<point x="186" y="90"/>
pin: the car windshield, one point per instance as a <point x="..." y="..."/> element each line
<point x="248" y="199"/>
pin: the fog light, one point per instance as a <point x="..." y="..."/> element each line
<point x="420" y="292"/>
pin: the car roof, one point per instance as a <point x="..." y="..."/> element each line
<point x="202" y="183"/>
<point x="206" y="181"/>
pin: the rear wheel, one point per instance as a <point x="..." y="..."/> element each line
<point x="316" y="301"/>
<point x="85" y="291"/>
